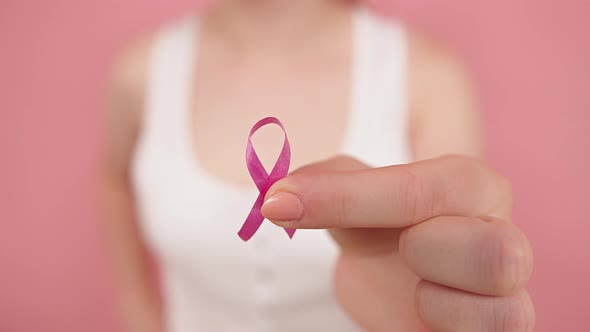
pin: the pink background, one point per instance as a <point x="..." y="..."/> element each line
<point x="529" y="58"/>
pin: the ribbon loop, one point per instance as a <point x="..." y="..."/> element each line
<point x="262" y="179"/>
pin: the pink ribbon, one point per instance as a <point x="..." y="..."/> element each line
<point x="262" y="179"/>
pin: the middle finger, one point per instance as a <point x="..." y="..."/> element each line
<point x="486" y="257"/>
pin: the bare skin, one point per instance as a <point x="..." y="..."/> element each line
<point x="250" y="67"/>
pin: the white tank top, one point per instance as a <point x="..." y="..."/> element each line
<point x="212" y="280"/>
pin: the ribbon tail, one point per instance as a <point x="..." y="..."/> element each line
<point x="290" y="232"/>
<point x="253" y="221"/>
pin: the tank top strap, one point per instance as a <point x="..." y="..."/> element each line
<point x="378" y="116"/>
<point x="169" y="84"/>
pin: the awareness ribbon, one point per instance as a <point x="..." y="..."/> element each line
<point x="262" y="179"/>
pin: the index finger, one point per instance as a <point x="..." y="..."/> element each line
<point x="394" y="196"/>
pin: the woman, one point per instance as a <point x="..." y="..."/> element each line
<point x="425" y="243"/>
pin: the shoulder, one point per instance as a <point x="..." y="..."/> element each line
<point x="129" y="74"/>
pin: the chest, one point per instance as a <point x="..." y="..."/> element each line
<point x="312" y="97"/>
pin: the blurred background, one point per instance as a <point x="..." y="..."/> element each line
<point x="530" y="60"/>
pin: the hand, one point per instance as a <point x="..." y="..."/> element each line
<point x="425" y="243"/>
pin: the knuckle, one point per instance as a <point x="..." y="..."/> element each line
<point x="421" y="202"/>
<point x="341" y="202"/>
<point x="515" y="314"/>
<point x="508" y="260"/>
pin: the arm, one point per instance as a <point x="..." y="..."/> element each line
<point x="139" y="299"/>
<point x="446" y="219"/>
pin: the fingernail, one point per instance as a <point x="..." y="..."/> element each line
<point x="282" y="206"/>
